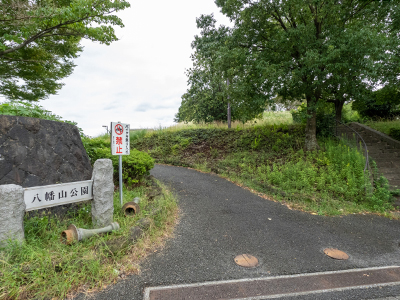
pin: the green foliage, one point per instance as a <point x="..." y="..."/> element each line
<point x="350" y="115"/>
<point x="134" y="166"/>
<point x="335" y="174"/>
<point x="27" y="109"/>
<point x="314" y="50"/>
<point x="394" y="133"/>
<point x="134" y="135"/>
<point x="215" y="61"/>
<point x="385" y="126"/>
<point x="325" y="118"/>
<point x="186" y="146"/>
<point x="40" y="39"/>
<point x="380" y="104"/>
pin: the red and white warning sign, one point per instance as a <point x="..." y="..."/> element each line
<point x="120" y="143"/>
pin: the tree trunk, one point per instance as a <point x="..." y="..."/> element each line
<point x="229" y="115"/>
<point x="311" y="143"/>
<point x="338" y="110"/>
<point x="229" y="107"/>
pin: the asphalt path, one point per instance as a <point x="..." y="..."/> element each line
<point x="220" y="220"/>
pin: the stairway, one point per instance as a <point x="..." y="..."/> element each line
<point x="384" y="150"/>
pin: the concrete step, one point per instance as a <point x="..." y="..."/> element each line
<point x="392" y="177"/>
<point x="371" y="141"/>
<point x="396" y="151"/>
<point x="389" y="147"/>
<point x="384" y="164"/>
<point x="394" y="184"/>
<point x="378" y="144"/>
<point x="385" y="157"/>
<point x="389" y="171"/>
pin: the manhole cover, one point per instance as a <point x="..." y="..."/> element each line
<point x="246" y="260"/>
<point x="335" y="253"/>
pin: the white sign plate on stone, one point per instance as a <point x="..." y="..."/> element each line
<point x="39" y="197"/>
<point x="120" y="144"/>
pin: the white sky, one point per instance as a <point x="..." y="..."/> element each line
<point x="140" y="78"/>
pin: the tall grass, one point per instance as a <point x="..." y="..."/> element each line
<point x="268" y="118"/>
<point x="330" y="181"/>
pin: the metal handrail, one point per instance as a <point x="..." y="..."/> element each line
<point x="358" y="136"/>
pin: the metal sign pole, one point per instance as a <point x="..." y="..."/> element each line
<point x="120" y="179"/>
<point x="120" y="143"/>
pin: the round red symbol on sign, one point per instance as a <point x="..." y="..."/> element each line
<point x="119" y="129"/>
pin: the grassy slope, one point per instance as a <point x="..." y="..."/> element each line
<point x="270" y="160"/>
<point x="384" y="126"/>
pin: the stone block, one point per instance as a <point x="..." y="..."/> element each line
<point x="103" y="191"/>
<point x="12" y="212"/>
<point x="51" y="151"/>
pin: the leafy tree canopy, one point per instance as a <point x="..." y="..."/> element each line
<point x="311" y="47"/>
<point x="216" y="60"/>
<point x="39" y="39"/>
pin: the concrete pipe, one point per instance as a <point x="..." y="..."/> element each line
<point x="73" y="234"/>
<point x="130" y="209"/>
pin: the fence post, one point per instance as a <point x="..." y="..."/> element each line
<point x="12" y="210"/>
<point x="103" y="192"/>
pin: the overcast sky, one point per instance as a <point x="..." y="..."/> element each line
<point x="140" y="78"/>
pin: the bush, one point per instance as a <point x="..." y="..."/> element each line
<point x="380" y="104"/>
<point x="394" y="133"/>
<point x="369" y="108"/>
<point x="134" y="166"/>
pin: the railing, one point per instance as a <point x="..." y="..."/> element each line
<point x="358" y="138"/>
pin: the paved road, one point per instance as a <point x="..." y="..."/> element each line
<point x="220" y="220"/>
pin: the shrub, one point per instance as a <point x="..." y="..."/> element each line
<point x="394" y="133"/>
<point x="134" y="166"/>
<point x="380" y="104"/>
<point x="369" y="108"/>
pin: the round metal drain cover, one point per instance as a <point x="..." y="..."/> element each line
<point x="246" y="260"/>
<point x="336" y="254"/>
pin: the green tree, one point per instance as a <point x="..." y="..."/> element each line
<point x="205" y="100"/>
<point x="379" y="104"/>
<point x="309" y="46"/>
<point x="39" y="40"/>
<point x="216" y="59"/>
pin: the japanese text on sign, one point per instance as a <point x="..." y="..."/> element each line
<point x="120" y="144"/>
<point x="57" y="194"/>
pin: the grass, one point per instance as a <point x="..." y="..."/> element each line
<point x="326" y="182"/>
<point x="42" y="267"/>
<point x="268" y="118"/>
<point x="384" y="126"/>
<point x="269" y="159"/>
